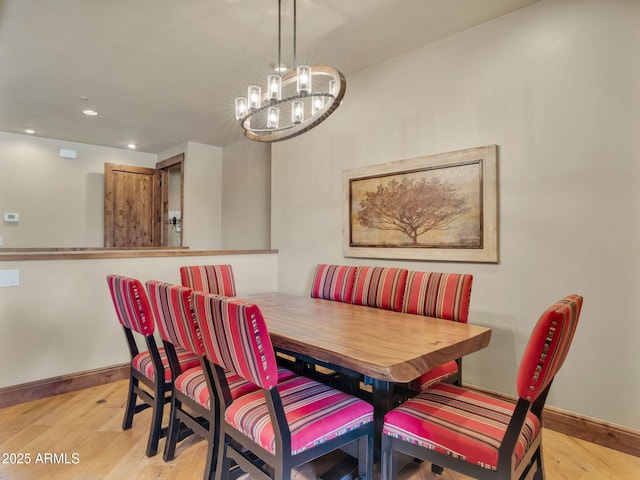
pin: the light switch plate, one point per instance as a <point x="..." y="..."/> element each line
<point x="11" y="217"/>
<point x="9" y="278"/>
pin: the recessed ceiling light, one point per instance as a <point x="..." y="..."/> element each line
<point x="84" y="97"/>
<point x="30" y="131"/>
<point x="132" y="146"/>
<point x="91" y="113"/>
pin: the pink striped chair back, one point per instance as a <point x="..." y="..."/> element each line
<point x="217" y="279"/>
<point x="548" y="346"/>
<point x="333" y="282"/>
<point x="380" y="287"/>
<point x="131" y="304"/>
<point x="171" y="306"/>
<point x="439" y="295"/>
<point x="235" y="337"/>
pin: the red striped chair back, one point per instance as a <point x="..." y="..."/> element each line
<point x="439" y="295"/>
<point x="380" y="287"/>
<point x="333" y="282"/>
<point x="217" y="279"/>
<point x="150" y="374"/>
<point x="131" y="304"/>
<point x="235" y="337"/>
<point x="171" y="306"/>
<point x="548" y="347"/>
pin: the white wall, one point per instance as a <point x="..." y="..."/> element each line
<point x="60" y="200"/>
<point x="61" y="320"/>
<point x="557" y="87"/>
<point x="202" y="216"/>
<point x="246" y="196"/>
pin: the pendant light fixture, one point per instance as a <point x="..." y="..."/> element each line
<point x="293" y="101"/>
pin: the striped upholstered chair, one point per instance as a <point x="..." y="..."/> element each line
<point x="190" y="399"/>
<point x="150" y="375"/>
<point x="270" y="431"/>
<point x="216" y="279"/>
<point x="333" y="282"/>
<point x="192" y="408"/>
<point x="439" y="295"/>
<point x="380" y="287"/>
<point x="476" y="434"/>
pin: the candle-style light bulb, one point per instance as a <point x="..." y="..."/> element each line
<point x="316" y="105"/>
<point x="241" y="107"/>
<point x="254" y="96"/>
<point x="304" y="79"/>
<point x="273" y="117"/>
<point x="333" y="87"/>
<point x="274" y="83"/>
<point x="297" y="111"/>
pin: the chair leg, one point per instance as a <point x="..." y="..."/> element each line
<point x="156" y="423"/>
<point x="224" y="462"/>
<point x="386" y="454"/>
<point x="365" y="457"/>
<point x="130" y="410"/>
<point x="539" y="475"/>
<point x="212" y="453"/>
<point x="174" y="430"/>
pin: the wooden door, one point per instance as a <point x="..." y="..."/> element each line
<point x="131" y="206"/>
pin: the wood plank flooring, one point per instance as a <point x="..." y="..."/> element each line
<point x="78" y="436"/>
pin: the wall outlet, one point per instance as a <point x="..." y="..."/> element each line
<point x="9" y="278"/>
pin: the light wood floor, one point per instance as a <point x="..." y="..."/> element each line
<point x="84" y="428"/>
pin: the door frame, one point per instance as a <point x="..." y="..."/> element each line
<point x="162" y="186"/>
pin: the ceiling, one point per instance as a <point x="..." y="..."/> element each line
<point x="162" y="72"/>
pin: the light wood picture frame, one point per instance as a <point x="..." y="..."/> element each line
<point x="441" y="207"/>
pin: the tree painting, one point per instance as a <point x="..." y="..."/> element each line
<point x="435" y="207"/>
<point x="412" y="207"/>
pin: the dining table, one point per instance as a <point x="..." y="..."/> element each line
<point x="384" y="346"/>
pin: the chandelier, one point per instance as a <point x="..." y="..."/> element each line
<point x="295" y="100"/>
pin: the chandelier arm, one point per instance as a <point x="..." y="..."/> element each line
<point x="273" y="103"/>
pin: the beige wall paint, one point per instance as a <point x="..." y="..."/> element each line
<point x="61" y="319"/>
<point x="202" y="197"/>
<point x="60" y="200"/>
<point x="557" y="87"/>
<point x="202" y="216"/>
<point x="246" y="196"/>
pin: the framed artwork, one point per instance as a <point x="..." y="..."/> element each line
<point x="440" y="207"/>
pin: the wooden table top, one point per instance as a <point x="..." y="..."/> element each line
<point x="385" y="345"/>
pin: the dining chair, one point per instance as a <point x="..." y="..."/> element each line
<point x="149" y="372"/>
<point x="282" y="425"/>
<point x="477" y="434"/>
<point x="216" y="279"/>
<point x="333" y="282"/>
<point x="381" y="287"/>
<point x="192" y="409"/>
<point x="330" y="282"/>
<point x="439" y="295"/>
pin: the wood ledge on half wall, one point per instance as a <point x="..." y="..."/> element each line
<point x="82" y="253"/>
